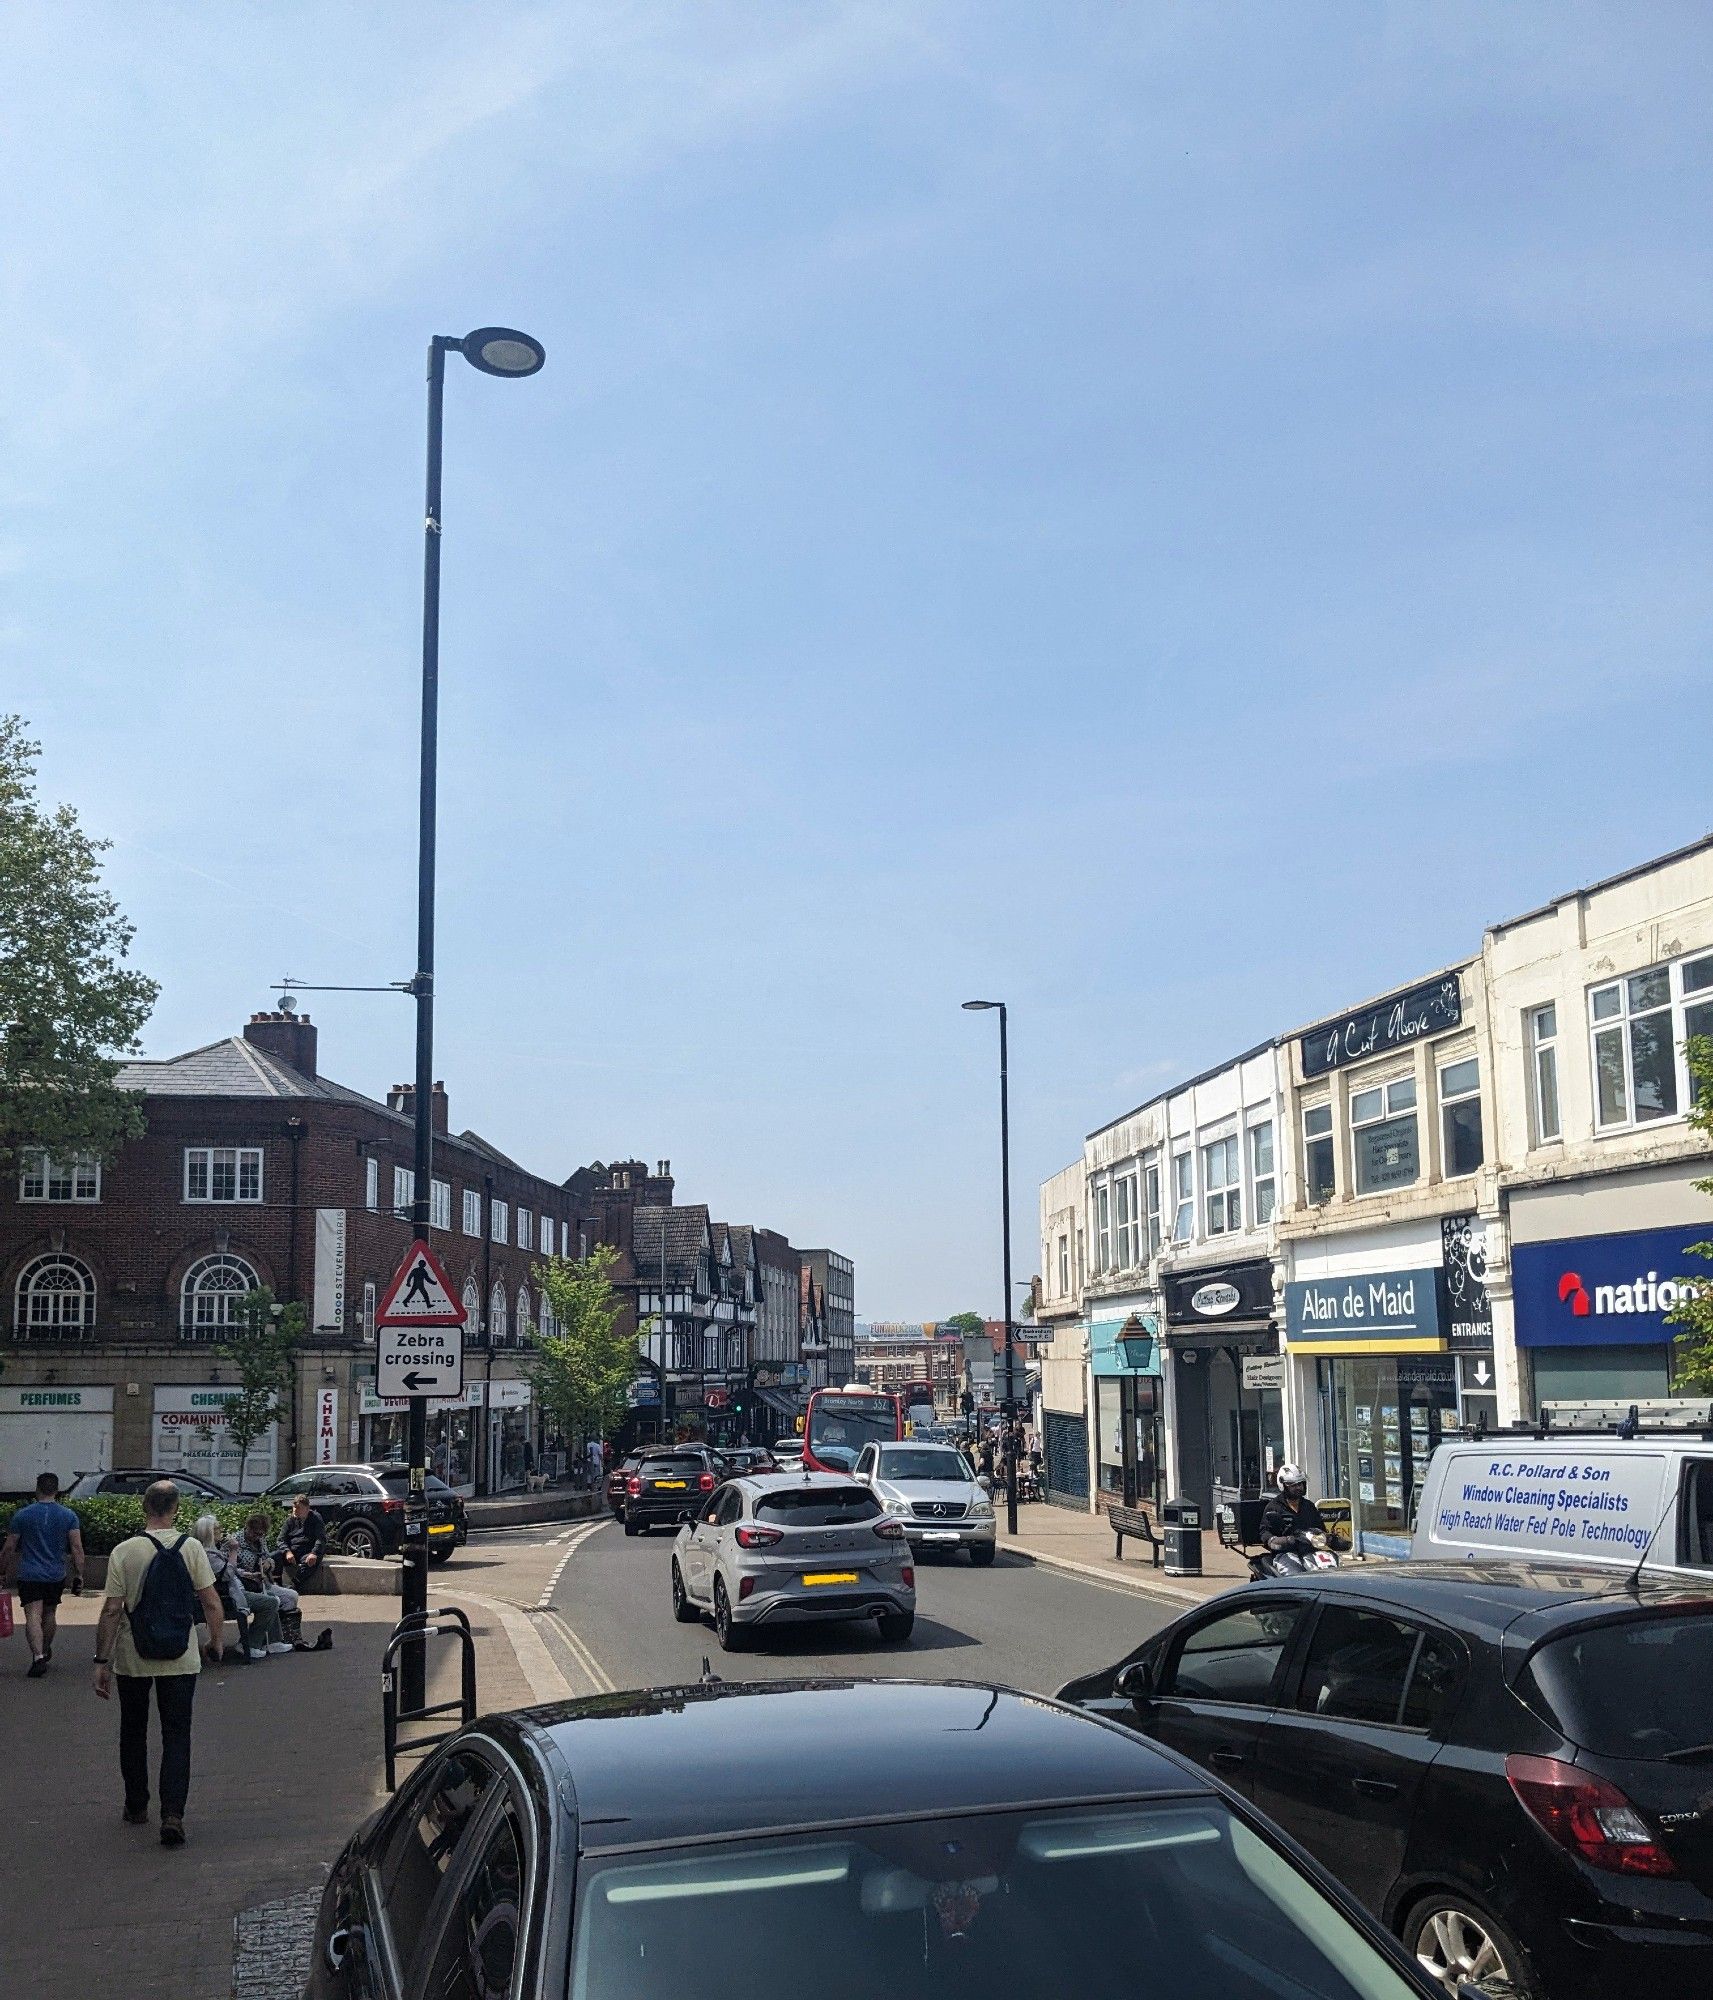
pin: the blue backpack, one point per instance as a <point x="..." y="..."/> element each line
<point x="165" y="1611"/>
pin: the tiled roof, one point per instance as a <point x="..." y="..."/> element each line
<point x="687" y="1229"/>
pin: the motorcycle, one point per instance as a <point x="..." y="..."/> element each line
<point x="1301" y="1556"/>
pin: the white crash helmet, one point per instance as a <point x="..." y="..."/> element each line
<point x="1293" y="1476"/>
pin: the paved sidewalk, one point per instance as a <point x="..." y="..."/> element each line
<point x="1083" y="1544"/>
<point x="286" y="1762"/>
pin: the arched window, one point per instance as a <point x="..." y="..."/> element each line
<point x="56" y="1299"/>
<point x="472" y="1308"/>
<point x="497" y="1314"/>
<point x="523" y="1319"/>
<point x="546" y="1323"/>
<point x="208" y="1302"/>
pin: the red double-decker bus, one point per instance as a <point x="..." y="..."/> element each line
<point x="840" y="1422"/>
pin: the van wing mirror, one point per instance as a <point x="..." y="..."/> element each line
<point x="1134" y="1681"/>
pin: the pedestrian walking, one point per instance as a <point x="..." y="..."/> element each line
<point x="147" y="1640"/>
<point x="39" y="1539"/>
<point x="303" y="1546"/>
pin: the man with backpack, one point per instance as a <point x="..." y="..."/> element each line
<point x="147" y="1639"/>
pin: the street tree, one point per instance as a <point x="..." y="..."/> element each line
<point x="1692" y="1318"/>
<point x="70" y="1005"/>
<point x="582" y="1371"/>
<point x="262" y="1350"/>
<point x="964" y="1322"/>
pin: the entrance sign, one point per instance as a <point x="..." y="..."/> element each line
<point x="419" y="1347"/>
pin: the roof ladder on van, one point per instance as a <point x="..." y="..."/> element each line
<point x="1671" y="1416"/>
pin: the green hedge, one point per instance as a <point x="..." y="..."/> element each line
<point x="111" y="1518"/>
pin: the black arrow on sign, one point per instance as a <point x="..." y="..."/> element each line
<point x="412" y="1380"/>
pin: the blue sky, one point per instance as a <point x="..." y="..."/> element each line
<point x="1169" y="515"/>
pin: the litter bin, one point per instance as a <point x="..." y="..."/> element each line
<point x="1182" y="1519"/>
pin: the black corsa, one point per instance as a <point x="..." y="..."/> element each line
<point x="870" y="1840"/>
<point x="1510" y="1764"/>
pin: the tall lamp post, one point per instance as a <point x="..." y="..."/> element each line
<point x="495" y="350"/>
<point x="986" y="1007"/>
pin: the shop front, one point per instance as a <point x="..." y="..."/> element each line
<point x="1227" y="1376"/>
<point x="1591" y="1310"/>
<point x="1125" y="1365"/>
<point x="50" y="1427"/>
<point x="1386" y="1383"/>
<point x="451" y="1433"/>
<point x="511" y="1445"/>
<point x="190" y="1435"/>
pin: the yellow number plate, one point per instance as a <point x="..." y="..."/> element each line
<point x="444" y="1528"/>
<point x="678" y="1485"/>
<point x="833" y="1576"/>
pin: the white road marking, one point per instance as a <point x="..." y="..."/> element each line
<point x="574" y="1538"/>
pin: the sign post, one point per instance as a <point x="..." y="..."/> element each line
<point x="419" y="1353"/>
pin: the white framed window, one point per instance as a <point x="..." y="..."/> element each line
<point x="1102" y="1228"/>
<point x="222" y="1173"/>
<point x="497" y="1314"/>
<point x="1064" y="1267"/>
<point x="472" y="1308"/>
<point x="440" y="1204"/>
<point x="1460" y="1118"/>
<point x="499" y="1221"/>
<point x="1183" y="1197"/>
<point x="209" y="1298"/>
<point x="371" y="1183"/>
<point x="524" y="1318"/>
<point x="404" y="1190"/>
<point x="1128" y="1239"/>
<point x="1540" y="1027"/>
<point x="1383" y="1138"/>
<point x="41" y="1177"/>
<point x="1151" y="1201"/>
<point x="1638" y="1026"/>
<point x="525" y="1231"/>
<point x="547" y="1236"/>
<point x="1263" y="1183"/>
<point x="1319" y="1172"/>
<point x="55" y="1299"/>
<point x="369" y="1311"/>
<point x="472" y="1212"/>
<point x="582" y="1245"/>
<point x="1222" y="1185"/>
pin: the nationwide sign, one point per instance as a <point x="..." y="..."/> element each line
<point x="1393" y="1023"/>
<point x="1604" y="1291"/>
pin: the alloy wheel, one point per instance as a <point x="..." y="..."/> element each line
<point x="1453" y="1947"/>
<point x="360" y="1541"/>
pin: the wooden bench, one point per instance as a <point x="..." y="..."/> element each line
<point x="1133" y="1522"/>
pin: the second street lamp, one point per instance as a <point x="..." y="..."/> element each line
<point x="1010" y="1404"/>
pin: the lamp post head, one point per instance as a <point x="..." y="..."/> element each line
<point x="502" y="350"/>
<point x="981" y="1006"/>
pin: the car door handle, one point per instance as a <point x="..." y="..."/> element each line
<point x="1227" y="1758"/>
<point x="1374" y="1788"/>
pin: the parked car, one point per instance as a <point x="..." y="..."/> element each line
<point x="668" y="1485"/>
<point x="134" y="1482"/>
<point x="616" y="1478"/>
<point x="741" y="1458"/>
<point x="364" y="1508"/>
<point x="1508" y="1763"/>
<point x="786" y="1450"/>
<point x="931" y="1492"/>
<point x="791" y="1548"/>
<point x="882" y="1838"/>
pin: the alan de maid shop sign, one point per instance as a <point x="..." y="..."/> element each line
<point x="1391" y="1312"/>
<point x="1389" y="1024"/>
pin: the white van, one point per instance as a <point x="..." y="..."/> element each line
<point x="1594" y="1483"/>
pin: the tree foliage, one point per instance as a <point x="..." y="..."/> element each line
<point x="964" y="1322"/>
<point x="1693" y="1317"/>
<point x="69" y="1004"/>
<point x="583" y="1370"/>
<point x="262" y="1351"/>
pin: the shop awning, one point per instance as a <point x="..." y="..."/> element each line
<point x="783" y="1401"/>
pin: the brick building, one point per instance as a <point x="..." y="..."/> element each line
<point x="121" y="1281"/>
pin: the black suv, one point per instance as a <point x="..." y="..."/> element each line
<point x="1511" y="1764"/>
<point x="364" y="1508"/>
<point x="191" y="1485"/>
<point x="668" y="1485"/>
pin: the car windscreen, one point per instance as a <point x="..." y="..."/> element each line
<point x="1031" y="1904"/>
<point x="818" y="1506"/>
<point x="1631" y="1687"/>
<point x="922" y="1462"/>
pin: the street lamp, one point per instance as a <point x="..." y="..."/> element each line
<point x="495" y="350"/>
<point x="988" y="1007"/>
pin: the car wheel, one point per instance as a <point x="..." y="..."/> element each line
<point x="1455" y="1943"/>
<point x="981" y="1554"/>
<point x="732" y="1637"/>
<point x="896" y="1626"/>
<point x="682" y="1609"/>
<point x="440" y="1555"/>
<point x="360" y="1539"/>
<point x="631" y="1527"/>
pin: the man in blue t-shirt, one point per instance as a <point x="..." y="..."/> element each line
<point x="38" y="1539"/>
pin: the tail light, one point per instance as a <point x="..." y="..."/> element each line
<point x="909" y="1577"/>
<point x="392" y="1506"/>
<point x="706" y="1482"/>
<point x="889" y="1531"/>
<point x="1587" y="1816"/>
<point x="633" y="1484"/>
<point x="745" y="1585"/>
<point x="759" y="1538"/>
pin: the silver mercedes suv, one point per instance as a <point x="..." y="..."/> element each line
<point x="929" y="1490"/>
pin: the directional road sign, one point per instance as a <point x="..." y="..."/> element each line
<point x="419" y="1342"/>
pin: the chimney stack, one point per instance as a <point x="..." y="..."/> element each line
<point x="402" y="1099"/>
<point x="438" y="1112"/>
<point x="289" y="1038"/>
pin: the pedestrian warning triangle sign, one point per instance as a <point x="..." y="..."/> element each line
<point x="420" y="1293"/>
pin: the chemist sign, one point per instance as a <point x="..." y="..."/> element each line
<point x="419" y="1345"/>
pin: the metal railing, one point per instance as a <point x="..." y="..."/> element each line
<point x="416" y="1628"/>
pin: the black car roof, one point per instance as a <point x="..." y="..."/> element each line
<point x="728" y="1758"/>
<point x="1489" y="1597"/>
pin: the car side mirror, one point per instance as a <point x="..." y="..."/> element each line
<point x="1134" y="1681"/>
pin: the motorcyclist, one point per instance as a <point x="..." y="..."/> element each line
<point x="1291" y="1523"/>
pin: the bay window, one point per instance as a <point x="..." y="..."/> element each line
<point x="1637" y="1027"/>
<point x="1127" y="1232"/>
<point x="1383" y="1136"/>
<point x="1222" y="1185"/>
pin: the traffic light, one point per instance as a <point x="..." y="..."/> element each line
<point x="966" y="1403"/>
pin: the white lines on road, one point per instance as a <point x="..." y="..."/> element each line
<point x="599" y="1679"/>
<point x="574" y="1538"/>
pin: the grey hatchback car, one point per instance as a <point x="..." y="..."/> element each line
<point x="780" y="1548"/>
